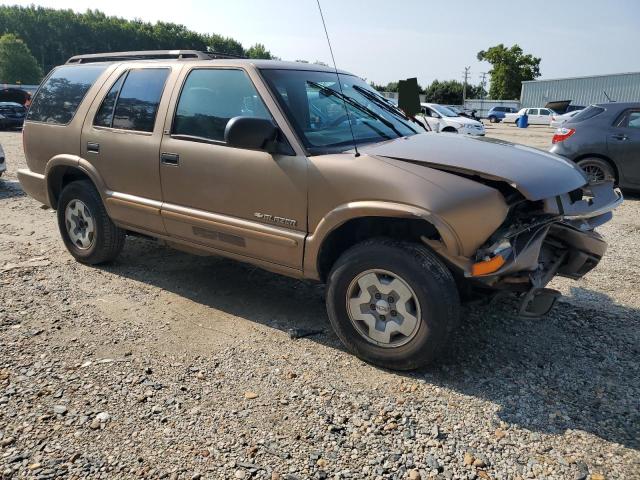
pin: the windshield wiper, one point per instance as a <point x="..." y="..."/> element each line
<point x="357" y="105"/>
<point x="384" y="104"/>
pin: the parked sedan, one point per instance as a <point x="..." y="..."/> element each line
<point x="11" y="115"/>
<point x="442" y="119"/>
<point x="604" y="140"/>
<point x="537" y="116"/>
<point x="496" y="114"/>
<point x="558" y="120"/>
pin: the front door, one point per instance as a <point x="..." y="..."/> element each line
<point x="121" y="139"/>
<point x="243" y="202"/>
<point x="623" y="143"/>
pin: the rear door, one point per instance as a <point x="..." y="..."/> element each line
<point x="544" y="116"/>
<point x="623" y="144"/>
<point x="534" y="117"/>
<point x="121" y="139"/>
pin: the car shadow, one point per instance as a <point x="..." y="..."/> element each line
<point x="577" y="369"/>
<point x="10" y="189"/>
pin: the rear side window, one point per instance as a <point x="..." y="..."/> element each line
<point x="587" y="113"/>
<point x="629" y="119"/>
<point x="633" y="120"/>
<point x="212" y="97"/>
<point x="132" y="102"/>
<point x="104" y="117"/>
<point x="60" y="96"/>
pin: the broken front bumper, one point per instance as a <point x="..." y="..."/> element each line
<point x="565" y="245"/>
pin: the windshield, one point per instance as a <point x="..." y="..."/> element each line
<point x="316" y="108"/>
<point x="444" y="111"/>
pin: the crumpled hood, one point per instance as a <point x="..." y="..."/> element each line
<point x="535" y="173"/>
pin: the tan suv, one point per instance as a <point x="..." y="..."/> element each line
<point x="276" y="164"/>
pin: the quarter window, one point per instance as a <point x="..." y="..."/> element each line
<point x="132" y="102"/>
<point x="212" y="97"/>
<point x="60" y="96"/>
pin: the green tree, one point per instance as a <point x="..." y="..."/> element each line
<point x="17" y="65"/>
<point x="55" y="35"/>
<point x="509" y="68"/>
<point x="448" y="92"/>
<point x="259" y="51"/>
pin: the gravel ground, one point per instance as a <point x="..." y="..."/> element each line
<point x="165" y="365"/>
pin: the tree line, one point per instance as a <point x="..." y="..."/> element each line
<point x="448" y="92"/>
<point x="509" y="68"/>
<point x="52" y="36"/>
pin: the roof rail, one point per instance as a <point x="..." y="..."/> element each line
<point x="150" y="55"/>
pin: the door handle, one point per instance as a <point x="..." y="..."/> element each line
<point x="620" y="136"/>
<point x="170" y="159"/>
<point x="93" y="147"/>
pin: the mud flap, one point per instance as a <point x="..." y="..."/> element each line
<point x="538" y="302"/>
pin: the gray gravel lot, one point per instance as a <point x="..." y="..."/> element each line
<point x="166" y="365"/>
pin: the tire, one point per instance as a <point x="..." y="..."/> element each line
<point x="493" y="119"/>
<point x="597" y="169"/>
<point x="100" y="240"/>
<point x="449" y="130"/>
<point x="435" y="307"/>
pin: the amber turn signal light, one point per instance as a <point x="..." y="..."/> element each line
<point x="487" y="266"/>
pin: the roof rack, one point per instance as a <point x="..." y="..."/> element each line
<point x="150" y="55"/>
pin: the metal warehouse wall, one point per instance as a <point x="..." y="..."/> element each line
<point x="622" y="87"/>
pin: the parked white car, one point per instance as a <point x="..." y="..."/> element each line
<point x="537" y="116"/>
<point x="558" y="120"/>
<point x="442" y="119"/>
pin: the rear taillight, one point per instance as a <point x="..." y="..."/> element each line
<point x="562" y="134"/>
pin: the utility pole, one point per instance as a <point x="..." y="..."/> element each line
<point x="483" y="84"/>
<point x="464" y="86"/>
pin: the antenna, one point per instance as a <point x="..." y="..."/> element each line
<point x="605" y="94"/>
<point x="346" y="109"/>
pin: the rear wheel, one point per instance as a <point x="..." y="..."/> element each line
<point x="597" y="169"/>
<point x="86" y="229"/>
<point x="392" y="303"/>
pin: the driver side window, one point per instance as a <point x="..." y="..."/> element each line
<point x="210" y="98"/>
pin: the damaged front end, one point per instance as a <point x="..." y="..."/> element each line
<point x="541" y="239"/>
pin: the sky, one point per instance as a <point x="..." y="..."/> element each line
<point x="384" y="41"/>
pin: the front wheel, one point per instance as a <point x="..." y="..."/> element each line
<point x="493" y="119"/>
<point x="392" y="303"/>
<point x="86" y="229"/>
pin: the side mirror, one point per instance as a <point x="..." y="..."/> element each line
<point x="251" y="133"/>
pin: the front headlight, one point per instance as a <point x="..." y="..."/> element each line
<point x="2" y="117"/>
